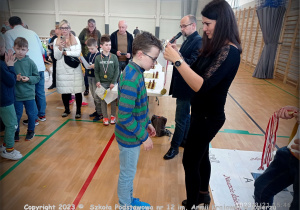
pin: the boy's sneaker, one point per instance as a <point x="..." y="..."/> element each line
<point x="105" y="121"/>
<point x="84" y="103"/>
<point x="42" y="118"/>
<point x="94" y="114"/>
<point x="25" y="122"/>
<point x="2" y="148"/>
<point x="29" y="135"/>
<point x="14" y="155"/>
<point x="71" y="101"/>
<point x="137" y="202"/>
<point x="112" y="119"/>
<point x="17" y="138"/>
<point x="98" y="117"/>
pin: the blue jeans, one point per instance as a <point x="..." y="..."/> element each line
<point x="281" y="173"/>
<point x="182" y="121"/>
<point x="128" y="163"/>
<point x="30" y="108"/>
<point x="40" y="95"/>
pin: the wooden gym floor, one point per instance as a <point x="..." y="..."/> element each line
<point x="76" y="161"/>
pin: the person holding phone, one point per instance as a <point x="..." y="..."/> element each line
<point x="68" y="80"/>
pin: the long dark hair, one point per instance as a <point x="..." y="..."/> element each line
<point x="226" y="29"/>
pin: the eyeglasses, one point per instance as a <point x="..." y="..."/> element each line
<point x="64" y="28"/>
<point x="153" y="59"/>
<point x="184" y="26"/>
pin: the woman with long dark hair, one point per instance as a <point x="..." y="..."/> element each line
<point x="210" y="76"/>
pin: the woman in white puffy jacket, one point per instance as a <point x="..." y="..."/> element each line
<point x="68" y="80"/>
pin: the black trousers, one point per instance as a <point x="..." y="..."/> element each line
<point x="78" y="99"/>
<point x="196" y="161"/>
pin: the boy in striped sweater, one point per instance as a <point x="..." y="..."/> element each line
<point x="133" y="126"/>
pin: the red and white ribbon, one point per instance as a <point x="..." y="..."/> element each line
<point x="270" y="141"/>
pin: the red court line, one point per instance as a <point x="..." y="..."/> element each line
<point x="90" y="177"/>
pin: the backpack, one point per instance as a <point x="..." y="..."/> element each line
<point x="159" y="123"/>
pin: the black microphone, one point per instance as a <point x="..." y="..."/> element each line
<point x="175" y="37"/>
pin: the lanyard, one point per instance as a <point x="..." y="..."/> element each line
<point x="105" y="69"/>
<point x="93" y="58"/>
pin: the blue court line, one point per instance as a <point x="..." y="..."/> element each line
<point x="249" y="116"/>
<point x="51" y="93"/>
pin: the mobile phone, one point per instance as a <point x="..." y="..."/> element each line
<point x="123" y="53"/>
<point x="63" y="38"/>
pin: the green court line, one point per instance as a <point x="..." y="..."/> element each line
<point x="275" y="85"/>
<point x="39" y="145"/>
<point x="243" y="132"/>
<point x="31" y="151"/>
<point x="282" y="89"/>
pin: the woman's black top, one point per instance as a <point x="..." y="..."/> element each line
<point x="218" y="71"/>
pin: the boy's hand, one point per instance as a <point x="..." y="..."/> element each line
<point x="296" y="146"/>
<point x="128" y="55"/>
<point x="284" y="112"/>
<point x="25" y="79"/>
<point x="19" y="77"/>
<point x="111" y="86"/>
<point x="148" y="144"/>
<point x="92" y="66"/>
<point x="98" y="84"/>
<point x="151" y="130"/>
<point x="118" y="53"/>
<point x="10" y="58"/>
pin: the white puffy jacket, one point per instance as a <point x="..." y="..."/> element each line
<point x="68" y="79"/>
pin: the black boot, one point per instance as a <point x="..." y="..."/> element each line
<point x="171" y="153"/>
<point x="52" y="86"/>
<point x="203" y="198"/>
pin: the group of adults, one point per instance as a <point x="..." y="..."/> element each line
<point x="203" y="71"/>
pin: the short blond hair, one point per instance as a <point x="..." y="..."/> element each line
<point x="64" y="22"/>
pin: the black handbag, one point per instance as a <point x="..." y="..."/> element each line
<point x="73" y="62"/>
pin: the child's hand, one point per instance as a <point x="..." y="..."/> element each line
<point x="19" y="77"/>
<point x="98" y="84"/>
<point x="148" y="144"/>
<point x="25" y="79"/>
<point x="151" y="130"/>
<point x="128" y="55"/>
<point x="111" y="86"/>
<point x="10" y="58"/>
<point x="296" y="146"/>
<point x="92" y="66"/>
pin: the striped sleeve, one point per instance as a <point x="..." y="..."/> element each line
<point x="128" y="93"/>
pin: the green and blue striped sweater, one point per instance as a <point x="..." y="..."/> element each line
<point x="132" y="120"/>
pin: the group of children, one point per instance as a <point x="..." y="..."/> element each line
<point x="133" y="128"/>
<point x="104" y="71"/>
<point x="19" y="74"/>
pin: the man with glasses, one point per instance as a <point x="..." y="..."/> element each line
<point x="179" y="89"/>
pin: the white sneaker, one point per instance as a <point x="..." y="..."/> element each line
<point x="2" y="148"/>
<point x="14" y="155"/>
